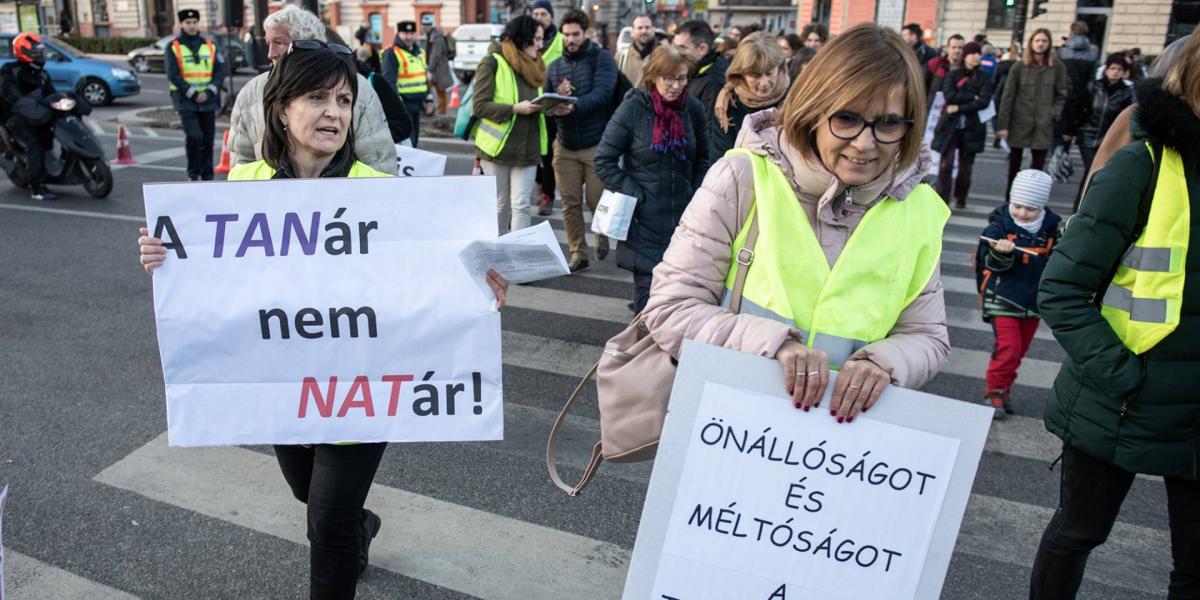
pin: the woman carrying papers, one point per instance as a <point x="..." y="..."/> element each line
<point x="308" y="103"/>
<point x="822" y="199"/>
<point x="511" y="133"/>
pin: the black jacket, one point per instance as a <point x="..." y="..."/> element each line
<point x="1009" y="284"/>
<point x="662" y="183"/>
<point x="1106" y="101"/>
<point x="708" y="81"/>
<point x="593" y="76"/>
<point x="971" y="91"/>
<point x="19" y="80"/>
<point x="398" y="120"/>
<point x="184" y="96"/>
<point x="720" y="142"/>
<point x="1080" y="60"/>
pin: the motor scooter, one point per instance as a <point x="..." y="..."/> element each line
<point x="75" y="158"/>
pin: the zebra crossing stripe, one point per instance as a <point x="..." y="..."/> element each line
<point x="452" y="546"/>
<point x="28" y="577"/>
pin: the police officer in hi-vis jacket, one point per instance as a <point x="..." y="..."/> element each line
<point x="195" y="70"/>
<point x="405" y="66"/>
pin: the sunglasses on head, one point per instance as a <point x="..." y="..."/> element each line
<point x="318" y="45"/>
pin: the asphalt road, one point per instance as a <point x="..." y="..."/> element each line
<point x="100" y="508"/>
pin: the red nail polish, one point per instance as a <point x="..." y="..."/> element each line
<point x="841" y="419"/>
<point x="805" y="409"/>
<point x="865" y="409"/>
<point x="797" y="405"/>
<point x="849" y="419"/>
<point x="832" y="413"/>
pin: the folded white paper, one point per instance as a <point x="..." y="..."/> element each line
<point x="521" y="256"/>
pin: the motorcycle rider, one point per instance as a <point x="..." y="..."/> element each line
<point x="25" y="95"/>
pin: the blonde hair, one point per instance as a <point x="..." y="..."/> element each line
<point x="664" y="62"/>
<point x="757" y="54"/>
<point x="1183" y="77"/>
<point x="858" y="64"/>
<point x="1029" y="58"/>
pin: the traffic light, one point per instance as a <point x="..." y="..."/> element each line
<point x="1038" y="8"/>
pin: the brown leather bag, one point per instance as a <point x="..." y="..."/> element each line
<point x="633" y="385"/>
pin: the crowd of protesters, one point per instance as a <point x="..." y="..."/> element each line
<point x="717" y="134"/>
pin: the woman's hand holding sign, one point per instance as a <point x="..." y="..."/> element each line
<point x="858" y="386"/>
<point x="805" y="373"/>
<point x="151" y="251"/>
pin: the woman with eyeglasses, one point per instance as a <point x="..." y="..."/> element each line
<point x="655" y="149"/>
<point x="308" y="104"/>
<point x="822" y="199"/>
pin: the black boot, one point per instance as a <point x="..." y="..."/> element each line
<point x="38" y="191"/>
<point x="368" y="527"/>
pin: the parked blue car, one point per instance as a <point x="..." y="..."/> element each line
<point x="71" y="70"/>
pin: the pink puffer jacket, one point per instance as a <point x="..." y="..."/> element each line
<point x="689" y="282"/>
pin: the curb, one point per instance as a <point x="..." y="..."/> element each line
<point x="131" y="118"/>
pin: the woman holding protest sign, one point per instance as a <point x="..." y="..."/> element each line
<point x="308" y="104"/>
<point x="511" y="137"/>
<point x="822" y="198"/>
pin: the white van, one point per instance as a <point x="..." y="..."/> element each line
<point x="471" y="41"/>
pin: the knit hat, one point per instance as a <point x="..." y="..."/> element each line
<point x="1031" y="188"/>
<point x="972" y="48"/>
<point x="542" y="4"/>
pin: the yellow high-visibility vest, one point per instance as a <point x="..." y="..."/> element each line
<point x="885" y="265"/>
<point x="1143" y="301"/>
<point x="491" y="136"/>
<point x="554" y="51"/>
<point x="411" y="71"/>
<point x="259" y="169"/>
<point x="197" y="69"/>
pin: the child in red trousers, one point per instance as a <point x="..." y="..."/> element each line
<point x="1008" y="265"/>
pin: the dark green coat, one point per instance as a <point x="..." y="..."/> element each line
<point x="1140" y="413"/>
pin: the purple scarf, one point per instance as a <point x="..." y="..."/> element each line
<point x="669" y="135"/>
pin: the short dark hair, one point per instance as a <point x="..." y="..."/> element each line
<point x="643" y="15"/>
<point x="956" y="36"/>
<point x="299" y="73"/>
<point x="698" y="31"/>
<point x="577" y="17"/>
<point x="794" y="41"/>
<point x="818" y="28"/>
<point x="520" y="31"/>
<point x="915" y="29"/>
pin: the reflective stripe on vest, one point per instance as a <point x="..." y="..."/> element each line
<point x="410" y="72"/>
<point x="491" y="136"/>
<point x="886" y="263"/>
<point x="1143" y="301"/>
<point x="554" y="51"/>
<point x="259" y="170"/>
<point x="197" y="70"/>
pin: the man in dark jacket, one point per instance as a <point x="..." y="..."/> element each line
<point x="410" y="79"/>
<point x="1121" y="411"/>
<point x="1079" y="57"/>
<point x="695" y="39"/>
<point x="552" y="44"/>
<point x="938" y="68"/>
<point x="967" y="90"/>
<point x="195" y="70"/>
<point x="24" y="81"/>
<point x="1107" y="97"/>
<point x="590" y="75"/>
<point x="914" y="36"/>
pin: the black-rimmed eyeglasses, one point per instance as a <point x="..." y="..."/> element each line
<point x="887" y="130"/>
<point x="319" y="45"/>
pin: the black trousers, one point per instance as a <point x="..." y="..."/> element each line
<point x="1090" y="497"/>
<point x="641" y="290"/>
<point x="199" y="129"/>
<point x="1014" y="164"/>
<point x="415" y="115"/>
<point x="966" y="163"/>
<point x="333" y="481"/>
<point x="37" y="139"/>
<point x="545" y="169"/>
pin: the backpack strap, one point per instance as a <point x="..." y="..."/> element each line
<point x="1156" y="154"/>
<point x="744" y="258"/>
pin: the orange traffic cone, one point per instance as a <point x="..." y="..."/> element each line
<point x="224" y="166"/>
<point x="455" y="101"/>
<point x="124" y="153"/>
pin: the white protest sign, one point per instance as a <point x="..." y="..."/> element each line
<point x="413" y="162"/>
<point x="752" y="499"/>
<point x="3" y="500"/>
<point x="327" y="310"/>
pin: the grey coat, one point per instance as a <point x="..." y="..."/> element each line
<point x="1033" y="99"/>
<point x="438" y="55"/>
